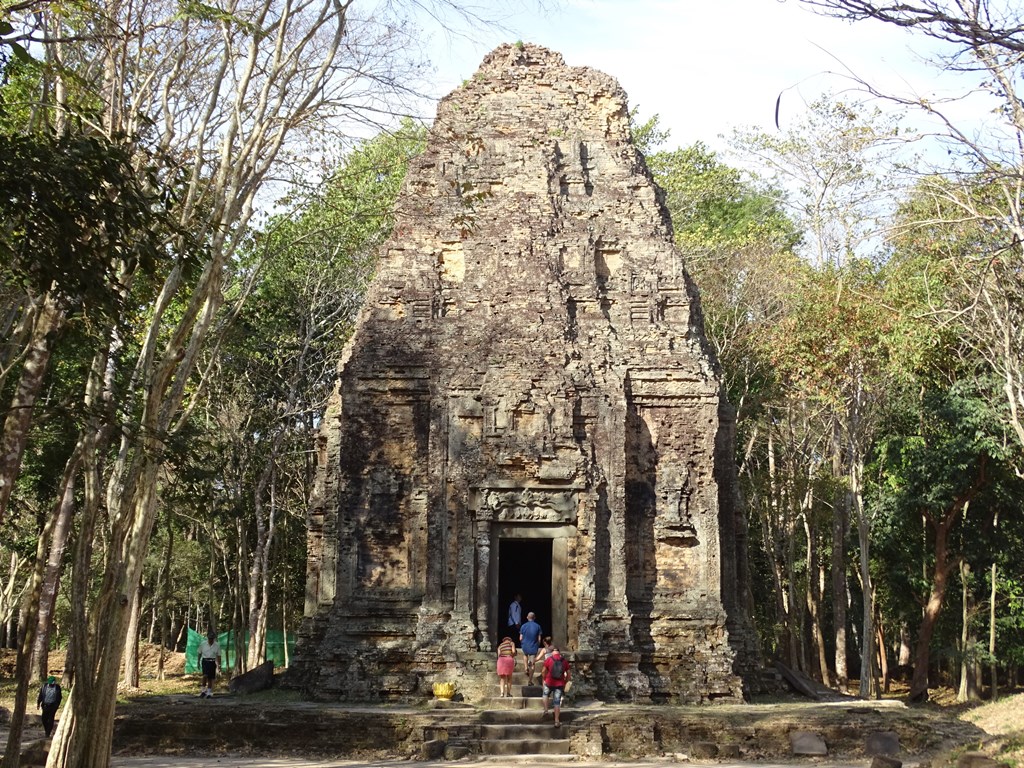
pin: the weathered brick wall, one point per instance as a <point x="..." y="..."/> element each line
<point x="530" y="357"/>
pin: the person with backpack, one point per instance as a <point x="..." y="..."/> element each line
<point x="556" y="675"/>
<point x="49" y="701"/>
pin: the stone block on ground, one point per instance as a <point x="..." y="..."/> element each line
<point x="729" y="752"/>
<point x="433" y="749"/>
<point x="257" y="679"/>
<point x="704" y="750"/>
<point x="885" y="761"/>
<point x="34" y="753"/>
<point x="455" y="753"/>
<point x="807" y="743"/>
<point x="882" y="743"/>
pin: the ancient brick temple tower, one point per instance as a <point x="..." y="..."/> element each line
<point x="527" y="405"/>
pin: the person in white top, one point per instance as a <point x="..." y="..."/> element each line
<point x="209" y="661"/>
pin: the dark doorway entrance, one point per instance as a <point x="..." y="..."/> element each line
<point x="524" y="566"/>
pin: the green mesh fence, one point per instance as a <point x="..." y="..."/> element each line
<point x="226" y="640"/>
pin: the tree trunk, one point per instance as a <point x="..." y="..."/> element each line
<point x="868" y="684"/>
<point x="19" y="414"/>
<point x="993" y="664"/>
<point x="841" y="514"/>
<point x="284" y="619"/>
<point x="10" y="597"/>
<point x="940" y="580"/>
<point x="965" y="620"/>
<point x="772" y="545"/>
<point x="930" y="615"/>
<point x="16" y="725"/>
<point x="815" y="584"/>
<point x="259" y="565"/>
<point x="85" y="735"/>
<point x="883" y="656"/>
<point x="131" y="641"/>
<point x="968" y="689"/>
<point x="51" y="576"/>
<point x="164" y="595"/>
<point x="904" y="659"/>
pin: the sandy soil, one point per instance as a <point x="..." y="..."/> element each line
<point x="1003" y="720"/>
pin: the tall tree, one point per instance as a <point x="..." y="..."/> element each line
<point x="832" y="164"/>
<point x="221" y="96"/>
<point x="277" y="365"/>
<point x="982" y="42"/>
<point x="66" y="265"/>
<point x="937" y="469"/>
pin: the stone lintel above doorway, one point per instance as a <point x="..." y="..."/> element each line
<point x="525" y="504"/>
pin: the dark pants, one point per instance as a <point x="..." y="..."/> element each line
<point x="49" y="713"/>
<point x="209" y="669"/>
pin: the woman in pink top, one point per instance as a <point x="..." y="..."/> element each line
<point x="506" y="665"/>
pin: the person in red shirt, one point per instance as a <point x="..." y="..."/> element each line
<point x="556" y="675"/>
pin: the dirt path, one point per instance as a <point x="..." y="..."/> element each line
<point x="249" y="762"/>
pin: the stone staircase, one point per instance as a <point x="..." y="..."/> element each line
<point x="517" y="726"/>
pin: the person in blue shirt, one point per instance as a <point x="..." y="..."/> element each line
<point x="529" y="640"/>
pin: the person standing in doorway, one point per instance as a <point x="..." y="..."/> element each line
<point x="515" y="617"/>
<point x="529" y="641"/>
<point x="49" y="701"/>
<point x="209" y="661"/>
<point x="556" y="675"/>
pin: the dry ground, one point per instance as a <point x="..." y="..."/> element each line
<point x="1002" y="720"/>
<point x="175" y="680"/>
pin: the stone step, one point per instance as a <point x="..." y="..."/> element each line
<point x="514" y="702"/>
<point x="545" y="731"/>
<point x="503" y="761"/>
<point x="526" y="746"/>
<point x="526" y="691"/>
<point x="533" y="716"/>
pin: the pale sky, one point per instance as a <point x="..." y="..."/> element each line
<point x="703" y="66"/>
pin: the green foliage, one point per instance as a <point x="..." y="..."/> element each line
<point x="21" y="81"/>
<point x="275" y="369"/>
<point x="647" y="136"/>
<point x="941" y="445"/>
<point x="321" y="260"/>
<point x="77" y="217"/>
<point x="738" y="244"/>
<point x="944" y="260"/>
<point x="713" y="205"/>
<point x="832" y="340"/>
